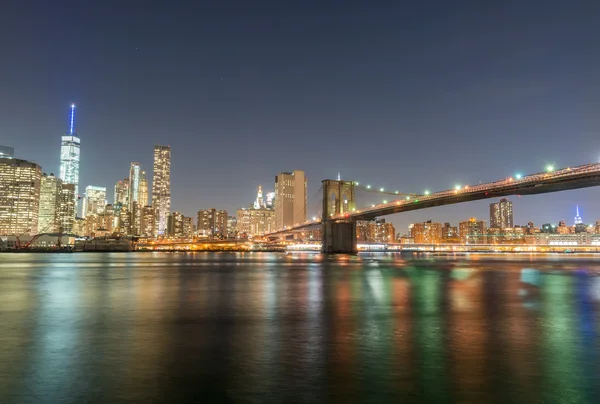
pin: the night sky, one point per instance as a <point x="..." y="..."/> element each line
<point x="409" y="95"/>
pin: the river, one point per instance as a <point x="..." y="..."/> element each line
<point x="306" y="328"/>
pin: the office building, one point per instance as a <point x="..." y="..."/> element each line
<point x="143" y="191"/>
<point x="255" y="222"/>
<point x="66" y="212"/>
<point x="231" y="226"/>
<point x="122" y="192"/>
<point x="20" y="183"/>
<point x="148" y="221"/>
<point x="6" y="151"/>
<point x="472" y="231"/>
<point x="94" y="201"/>
<point x="175" y="224"/>
<point x="212" y="223"/>
<point x="161" y="186"/>
<point x="290" y="199"/>
<point x="135" y="176"/>
<point x="501" y="214"/>
<point x="69" y="156"/>
<point x="50" y="199"/>
<point x="427" y="232"/>
<point x="187" y="227"/>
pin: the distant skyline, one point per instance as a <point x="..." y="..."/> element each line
<point x="409" y="96"/>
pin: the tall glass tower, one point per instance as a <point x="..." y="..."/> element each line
<point x="69" y="156"/>
<point x="161" y="186"/>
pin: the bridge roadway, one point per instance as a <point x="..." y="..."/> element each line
<point x="558" y="180"/>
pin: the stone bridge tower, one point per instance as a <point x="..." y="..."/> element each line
<point x="339" y="234"/>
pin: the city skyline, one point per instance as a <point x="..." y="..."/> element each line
<point x="401" y="97"/>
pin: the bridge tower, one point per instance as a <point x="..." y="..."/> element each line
<point x="339" y="235"/>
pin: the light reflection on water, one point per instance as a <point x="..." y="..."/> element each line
<point x="262" y="327"/>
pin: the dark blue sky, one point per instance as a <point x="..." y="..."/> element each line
<point x="409" y="95"/>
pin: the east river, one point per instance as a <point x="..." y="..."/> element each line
<point x="275" y="328"/>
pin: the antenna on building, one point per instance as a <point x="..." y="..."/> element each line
<point x="339" y="177"/>
<point x="72" y="119"/>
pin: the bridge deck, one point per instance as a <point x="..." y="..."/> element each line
<point x="559" y="180"/>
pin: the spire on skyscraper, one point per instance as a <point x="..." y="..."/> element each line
<point x="577" y="217"/>
<point x="72" y="126"/>
<point x="258" y="203"/>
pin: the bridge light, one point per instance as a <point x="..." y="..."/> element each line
<point x="397" y="192"/>
<point x="381" y="189"/>
<point x="549" y="168"/>
<point x="518" y="176"/>
<point x="368" y="187"/>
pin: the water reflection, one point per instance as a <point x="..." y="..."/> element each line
<point x="162" y="327"/>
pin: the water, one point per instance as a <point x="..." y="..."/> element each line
<point x="271" y="328"/>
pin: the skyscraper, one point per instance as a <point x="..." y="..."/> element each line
<point x="69" y="156"/>
<point x="290" y="199"/>
<point x="50" y="199"/>
<point x="501" y="214"/>
<point x="122" y="193"/>
<point x="20" y="182"/>
<point x="67" y="208"/>
<point x="161" y="186"/>
<point x="135" y="175"/>
<point x="143" y="191"/>
<point x="94" y="201"/>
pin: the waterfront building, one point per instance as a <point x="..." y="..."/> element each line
<point x="6" y="151"/>
<point x="20" y="183"/>
<point x="175" y="224"/>
<point x="231" y="226"/>
<point x="472" y="231"/>
<point x="148" y="221"/>
<point x="450" y="234"/>
<point x="94" y="201"/>
<point x="69" y="156"/>
<point x="212" y="223"/>
<point x="376" y="231"/>
<point x="290" y="199"/>
<point x="254" y="222"/>
<point x="566" y="239"/>
<point x="161" y="186"/>
<point x="381" y="232"/>
<point x="427" y="232"/>
<point x="50" y="199"/>
<point x="67" y="212"/>
<point x="501" y="214"/>
<point x="515" y="235"/>
<point x="187" y="227"/>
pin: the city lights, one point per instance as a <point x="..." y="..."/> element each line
<point x="518" y="176"/>
<point x="549" y="168"/>
<point x="426" y="192"/>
